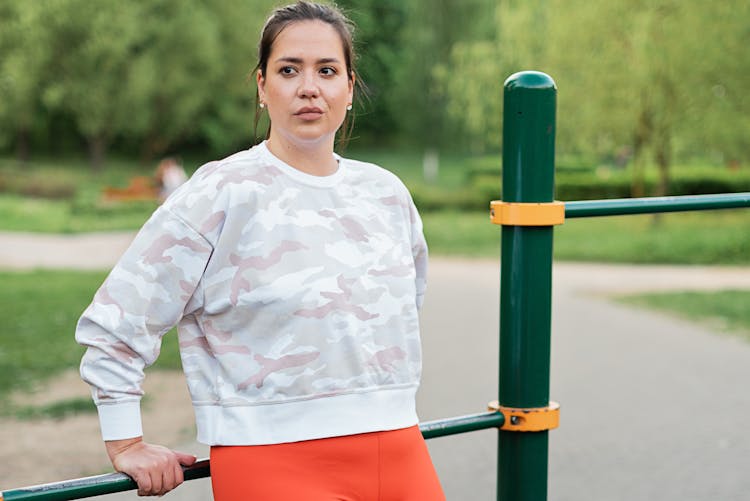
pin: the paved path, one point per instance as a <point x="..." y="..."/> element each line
<point x="652" y="407"/>
<point x="89" y="251"/>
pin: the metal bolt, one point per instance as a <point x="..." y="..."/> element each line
<point x="514" y="420"/>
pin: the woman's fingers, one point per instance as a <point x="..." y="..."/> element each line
<point x="157" y="482"/>
<point x="144" y="483"/>
<point x="167" y="480"/>
<point x="156" y="469"/>
<point x="185" y="459"/>
<point x="177" y="475"/>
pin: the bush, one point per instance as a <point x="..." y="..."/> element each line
<point x="433" y="198"/>
<point x="92" y="204"/>
<point x="36" y="185"/>
<point x="595" y="186"/>
<point x="488" y="168"/>
<point x="606" y="184"/>
<point x="705" y="181"/>
<point x="576" y="183"/>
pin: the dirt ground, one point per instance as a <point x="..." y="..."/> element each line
<point x="49" y="450"/>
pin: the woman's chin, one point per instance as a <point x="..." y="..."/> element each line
<point x="309" y="136"/>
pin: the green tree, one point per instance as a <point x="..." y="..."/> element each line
<point x="379" y="25"/>
<point x="93" y="47"/>
<point x="151" y="77"/>
<point x="173" y="73"/>
<point x="227" y="122"/>
<point x="632" y="77"/>
<point x="719" y="114"/>
<point x="431" y="30"/>
<point x="24" y="55"/>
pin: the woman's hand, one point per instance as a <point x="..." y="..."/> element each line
<point x="156" y="469"/>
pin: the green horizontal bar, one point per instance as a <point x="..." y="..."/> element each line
<point x="117" y="482"/>
<point x="461" y="424"/>
<point x="649" y="205"/>
<point x="93" y="486"/>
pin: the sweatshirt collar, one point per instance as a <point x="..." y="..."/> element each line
<point x="298" y="175"/>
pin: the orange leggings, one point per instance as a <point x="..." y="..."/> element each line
<point x="380" y="466"/>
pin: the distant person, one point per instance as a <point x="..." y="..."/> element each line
<point x="169" y="176"/>
<point x="295" y="277"/>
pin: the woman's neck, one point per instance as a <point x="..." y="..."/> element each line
<point x="316" y="158"/>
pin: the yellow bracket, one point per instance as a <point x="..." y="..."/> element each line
<point x="529" y="419"/>
<point x="527" y="214"/>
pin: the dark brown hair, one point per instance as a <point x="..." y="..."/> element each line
<point x="309" y="11"/>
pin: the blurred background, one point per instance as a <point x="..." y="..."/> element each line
<point x="647" y="89"/>
<point x="653" y="99"/>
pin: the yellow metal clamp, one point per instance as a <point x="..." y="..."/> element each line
<point x="527" y="214"/>
<point x="528" y="419"/>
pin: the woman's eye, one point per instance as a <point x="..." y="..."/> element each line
<point x="328" y="71"/>
<point x="287" y="70"/>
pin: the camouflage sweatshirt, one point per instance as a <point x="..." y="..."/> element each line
<point x="296" y="299"/>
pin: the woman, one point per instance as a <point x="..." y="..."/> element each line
<point x="295" y="276"/>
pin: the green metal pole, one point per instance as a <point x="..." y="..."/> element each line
<point x="526" y="281"/>
<point x="652" y="205"/>
<point x="461" y="424"/>
<point x="98" y="485"/>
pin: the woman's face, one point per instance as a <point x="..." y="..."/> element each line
<point x="306" y="87"/>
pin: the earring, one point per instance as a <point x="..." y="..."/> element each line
<point x="261" y="105"/>
<point x="348" y="107"/>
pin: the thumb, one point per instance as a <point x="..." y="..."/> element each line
<point x="185" y="459"/>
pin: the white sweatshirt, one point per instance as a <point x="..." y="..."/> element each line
<point x="296" y="298"/>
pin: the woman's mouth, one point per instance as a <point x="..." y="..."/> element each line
<point x="309" y="113"/>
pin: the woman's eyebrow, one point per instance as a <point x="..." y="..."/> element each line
<point x="297" y="60"/>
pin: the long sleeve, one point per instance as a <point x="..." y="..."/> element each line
<point x="419" y="251"/>
<point x="142" y="298"/>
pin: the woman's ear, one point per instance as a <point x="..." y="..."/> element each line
<point x="261" y="81"/>
<point x="352" y="81"/>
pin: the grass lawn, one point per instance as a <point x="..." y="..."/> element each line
<point x="714" y="237"/>
<point x="41" y="215"/>
<point x="705" y="237"/>
<point x="729" y="310"/>
<point x="39" y="311"/>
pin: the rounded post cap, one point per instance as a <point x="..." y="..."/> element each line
<point x="529" y="80"/>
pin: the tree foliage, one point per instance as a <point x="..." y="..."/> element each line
<point x="154" y="74"/>
<point x="640" y="82"/>
<point x="24" y="55"/>
<point x="379" y="24"/>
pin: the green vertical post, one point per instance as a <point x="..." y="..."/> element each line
<point x="526" y="281"/>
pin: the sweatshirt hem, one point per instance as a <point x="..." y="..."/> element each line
<point x="347" y="414"/>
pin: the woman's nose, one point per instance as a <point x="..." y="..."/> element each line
<point x="308" y="86"/>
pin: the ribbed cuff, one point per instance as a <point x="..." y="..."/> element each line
<point x="120" y="421"/>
